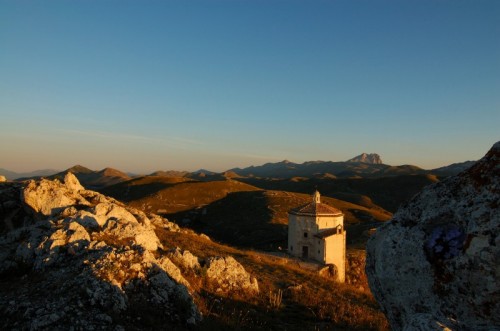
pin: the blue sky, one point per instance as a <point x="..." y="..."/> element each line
<point x="150" y="85"/>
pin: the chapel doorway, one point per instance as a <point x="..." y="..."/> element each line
<point x="305" y="252"/>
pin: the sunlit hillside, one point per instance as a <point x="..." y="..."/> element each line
<point x="166" y="195"/>
<point x="308" y="301"/>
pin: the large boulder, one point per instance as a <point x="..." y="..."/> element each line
<point x="230" y="275"/>
<point x="435" y="265"/>
<point x="49" y="197"/>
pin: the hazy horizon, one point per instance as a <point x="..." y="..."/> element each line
<point x="160" y="85"/>
<point x="148" y="171"/>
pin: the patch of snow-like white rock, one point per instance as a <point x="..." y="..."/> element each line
<point x="435" y="265"/>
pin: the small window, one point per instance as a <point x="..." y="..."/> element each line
<point x="291" y="248"/>
<point x="305" y="234"/>
<point x="318" y="251"/>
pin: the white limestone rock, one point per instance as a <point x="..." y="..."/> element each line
<point x="435" y="264"/>
<point x="72" y="233"/>
<point x="185" y="258"/>
<point x="72" y="183"/>
<point x="230" y="275"/>
<point x="51" y="197"/>
<point x="172" y="270"/>
<point x="91" y="254"/>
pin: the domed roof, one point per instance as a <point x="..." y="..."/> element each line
<point x="315" y="208"/>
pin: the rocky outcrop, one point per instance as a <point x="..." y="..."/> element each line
<point x="100" y="253"/>
<point x="367" y="158"/>
<point x="73" y="258"/>
<point x="435" y="265"/>
<point x="229" y="275"/>
<point x="50" y="197"/>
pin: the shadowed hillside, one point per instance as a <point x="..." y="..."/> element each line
<point x="238" y="213"/>
<point x="386" y="192"/>
<point x="259" y="219"/>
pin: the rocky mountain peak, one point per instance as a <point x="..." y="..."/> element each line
<point x="372" y="158"/>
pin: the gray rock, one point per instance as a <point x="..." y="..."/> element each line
<point x="435" y="265"/>
<point x="51" y="197"/>
<point x="230" y="275"/>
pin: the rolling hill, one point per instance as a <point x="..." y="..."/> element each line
<point x="258" y="219"/>
<point x="453" y="169"/>
<point x="235" y="212"/>
<point x="386" y="192"/>
<point x="94" y="180"/>
<point x="166" y="195"/>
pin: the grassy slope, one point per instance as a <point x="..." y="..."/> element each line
<point x="188" y="195"/>
<point x="252" y="217"/>
<point x="141" y="187"/>
<point x="309" y="301"/>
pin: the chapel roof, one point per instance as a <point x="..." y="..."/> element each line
<point x="315" y="208"/>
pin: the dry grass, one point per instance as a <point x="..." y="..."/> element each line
<point x="291" y="298"/>
<point x="275" y="299"/>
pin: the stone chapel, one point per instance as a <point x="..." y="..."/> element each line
<point x="316" y="231"/>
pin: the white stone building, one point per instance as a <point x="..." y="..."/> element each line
<point x="316" y="231"/>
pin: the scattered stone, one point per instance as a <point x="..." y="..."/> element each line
<point x="185" y="258"/>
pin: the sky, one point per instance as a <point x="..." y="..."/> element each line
<point x="158" y="85"/>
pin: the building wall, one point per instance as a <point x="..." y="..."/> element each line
<point x="329" y="222"/>
<point x="331" y="249"/>
<point x="297" y="226"/>
<point x="336" y="253"/>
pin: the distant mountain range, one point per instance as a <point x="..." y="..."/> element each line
<point x="362" y="166"/>
<point x="11" y="175"/>
<point x="287" y="169"/>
